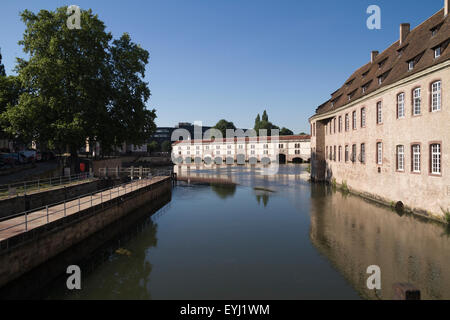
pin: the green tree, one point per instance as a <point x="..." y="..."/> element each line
<point x="153" y="146"/>
<point x="2" y="67"/>
<point x="286" y="132"/>
<point x="302" y="134"/>
<point x="257" y="121"/>
<point x="77" y="86"/>
<point x="223" y="125"/>
<point x="166" y="146"/>
<point x="265" y="117"/>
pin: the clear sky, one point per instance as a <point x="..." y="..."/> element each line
<point x="213" y="59"/>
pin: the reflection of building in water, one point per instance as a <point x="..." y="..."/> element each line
<point x="241" y="150"/>
<point x="346" y="231"/>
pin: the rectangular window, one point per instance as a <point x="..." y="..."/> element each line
<point x="416" y="101"/>
<point x="346" y="153"/>
<point x="401" y="105"/>
<point x="229" y="152"/>
<point x="280" y="146"/>
<point x="400" y="158"/>
<point x="266" y="151"/>
<point x="411" y="65"/>
<point x="354" y="153"/>
<point x="347" y="122"/>
<point x="416" y="158"/>
<point x="340" y="154"/>
<point x="252" y="146"/>
<point x="437" y="52"/>
<point x="363" y="153"/>
<point x="363" y="117"/>
<point x="379" y="153"/>
<point x="436" y="158"/>
<point x="436" y="96"/>
<point x="379" y="114"/>
<point x="354" y="120"/>
<point x="252" y="152"/>
<point x="340" y="123"/>
<point x="334" y="153"/>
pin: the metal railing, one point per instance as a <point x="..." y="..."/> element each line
<point x="133" y="172"/>
<point x="25" y="187"/>
<point x="77" y="202"/>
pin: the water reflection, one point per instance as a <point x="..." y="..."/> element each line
<point x="353" y="234"/>
<point x="224" y="190"/>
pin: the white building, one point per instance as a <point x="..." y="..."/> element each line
<point x="249" y="149"/>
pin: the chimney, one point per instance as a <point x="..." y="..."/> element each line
<point x="446" y="5"/>
<point x="373" y="55"/>
<point x="404" y="31"/>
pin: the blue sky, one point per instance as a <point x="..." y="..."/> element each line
<point x="214" y="59"/>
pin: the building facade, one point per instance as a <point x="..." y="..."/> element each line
<point x="386" y="132"/>
<point x="240" y="150"/>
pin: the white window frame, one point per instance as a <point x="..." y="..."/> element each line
<point x="436" y="96"/>
<point x="401" y="158"/>
<point x="436" y="158"/>
<point x="417" y="101"/>
<point x="380" y="153"/>
<point x="437" y="52"/>
<point x="363" y="117"/>
<point x="416" y="158"/>
<point x="411" y="65"/>
<point x="401" y="105"/>
<point x="379" y="113"/>
<point x="354" y="118"/>
<point x="347" y="122"/>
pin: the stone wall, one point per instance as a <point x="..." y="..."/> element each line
<point x="36" y="200"/>
<point x="26" y="251"/>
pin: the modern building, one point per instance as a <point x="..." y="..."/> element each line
<point x="386" y="132"/>
<point x="250" y="149"/>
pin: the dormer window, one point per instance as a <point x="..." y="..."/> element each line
<point x="365" y="74"/>
<point x="332" y="104"/>
<point x="433" y="32"/>
<point x="381" y="63"/>
<point x="411" y="65"/>
<point x="380" y="80"/>
<point x="437" y="52"/>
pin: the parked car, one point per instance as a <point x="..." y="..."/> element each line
<point x="27" y="156"/>
<point x="10" y="158"/>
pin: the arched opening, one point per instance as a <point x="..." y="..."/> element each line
<point x="253" y="160"/>
<point x="218" y="160"/>
<point x="265" y="161"/>
<point x="240" y="159"/>
<point x="297" y="160"/>
<point x="229" y="161"/>
<point x="208" y="160"/>
<point x="281" y="158"/>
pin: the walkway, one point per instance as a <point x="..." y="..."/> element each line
<point x="26" y="222"/>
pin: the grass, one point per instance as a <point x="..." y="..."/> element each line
<point x="344" y="187"/>
<point x="333" y="183"/>
<point x="446" y="215"/>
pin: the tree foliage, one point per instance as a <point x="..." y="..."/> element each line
<point x="286" y="132"/>
<point x="2" y="67"/>
<point x="264" y="124"/>
<point x="77" y="85"/>
<point x="223" y="125"/>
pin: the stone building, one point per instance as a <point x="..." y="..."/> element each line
<point x="386" y="132"/>
<point x="250" y="149"/>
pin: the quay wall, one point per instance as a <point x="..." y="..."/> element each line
<point x="26" y="251"/>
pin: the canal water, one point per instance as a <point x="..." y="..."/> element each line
<point x="235" y="233"/>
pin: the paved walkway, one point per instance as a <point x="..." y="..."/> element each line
<point x="20" y="224"/>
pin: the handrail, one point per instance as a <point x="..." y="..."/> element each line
<point x="92" y="196"/>
<point x="23" y="187"/>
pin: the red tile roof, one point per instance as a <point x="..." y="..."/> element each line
<point x="247" y="139"/>
<point x="418" y="45"/>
